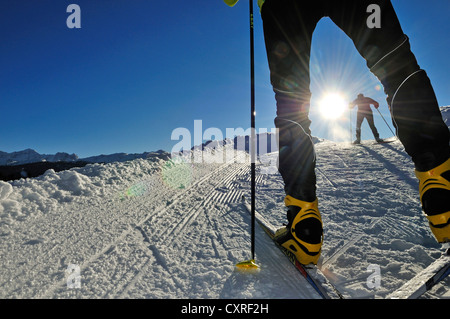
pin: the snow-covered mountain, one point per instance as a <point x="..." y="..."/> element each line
<point x="445" y="110"/>
<point x="31" y="156"/>
<point x="123" y="157"/>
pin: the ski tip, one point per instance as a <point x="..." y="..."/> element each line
<point x="248" y="266"/>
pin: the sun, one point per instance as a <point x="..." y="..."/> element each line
<point x="332" y="106"/>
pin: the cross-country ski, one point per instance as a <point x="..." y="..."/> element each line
<point x="426" y="279"/>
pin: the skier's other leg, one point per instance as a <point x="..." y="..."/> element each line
<point x="288" y="28"/>
<point x="411" y="99"/>
<point x="370" y="121"/>
<point x="434" y="188"/>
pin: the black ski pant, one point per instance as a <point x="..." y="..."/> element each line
<point x="368" y="115"/>
<point x="288" y="29"/>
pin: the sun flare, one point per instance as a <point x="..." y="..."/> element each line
<point x="332" y="106"/>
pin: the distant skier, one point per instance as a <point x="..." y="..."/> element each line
<point x="365" y="112"/>
<point x="288" y="29"/>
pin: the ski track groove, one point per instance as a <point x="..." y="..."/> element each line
<point x="139" y="206"/>
<point x="190" y="216"/>
<point x="207" y="199"/>
<point x="169" y="235"/>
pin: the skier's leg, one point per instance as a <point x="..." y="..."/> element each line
<point x="411" y="99"/>
<point x="359" y="120"/>
<point x="410" y="96"/>
<point x="434" y="187"/>
<point x="370" y="121"/>
<point x="288" y="28"/>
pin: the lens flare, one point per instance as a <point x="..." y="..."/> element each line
<point x="138" y="189"/>
<point x="177" y="173"/>
<point x="332" y="106"/>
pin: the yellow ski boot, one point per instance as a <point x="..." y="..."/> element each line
<point x="303" y="236"/>
<point x="434" y="189"/>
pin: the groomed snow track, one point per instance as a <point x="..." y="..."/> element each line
<point x="179" y="236"/>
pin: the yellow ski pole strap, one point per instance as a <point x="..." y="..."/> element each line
<point x="231" y="3"/>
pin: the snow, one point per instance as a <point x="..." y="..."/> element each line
<point x="156" y="228"/>
<point x="5" y="190"/>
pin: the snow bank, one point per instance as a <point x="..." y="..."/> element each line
<point x="35" y="196"/>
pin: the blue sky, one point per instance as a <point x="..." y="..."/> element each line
<point x="137" y="70"/>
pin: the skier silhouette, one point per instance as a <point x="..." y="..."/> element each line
<point x="365" y="112"/>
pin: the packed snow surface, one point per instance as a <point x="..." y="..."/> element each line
<point x="154" y="228"/>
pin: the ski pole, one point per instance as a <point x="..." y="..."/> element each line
<point x="350" y="112"/>
<point x="253" y="126"/>
<point x="386" y="122"/>
<point x="250" y="264"/>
